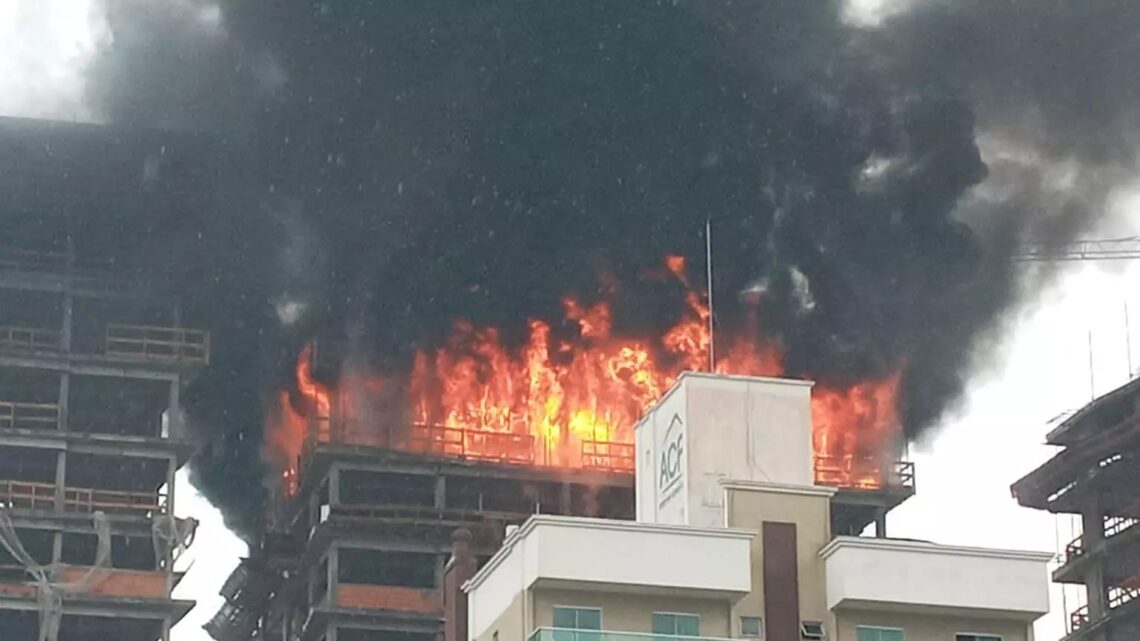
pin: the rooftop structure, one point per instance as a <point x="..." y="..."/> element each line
<point x="1097" y="476"/>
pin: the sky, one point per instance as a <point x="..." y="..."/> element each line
<point x="1040" y="364"/>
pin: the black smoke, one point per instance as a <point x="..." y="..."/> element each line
<point x="384" y="168"/>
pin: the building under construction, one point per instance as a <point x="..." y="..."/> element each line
<point x="1097" y="477"/>
<point x="359" y="537"/>
<point x="93" y="360"/>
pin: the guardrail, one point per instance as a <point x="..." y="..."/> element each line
<point x="147" y="342"/>
<point x="34" y="496"/>
<point x="863" y="473"/>
<point x="28" y="415"/>
<point x="608" y="455"/>
<point x="29" y="338"/>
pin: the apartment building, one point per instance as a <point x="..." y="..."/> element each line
<point x="735" y="540"/>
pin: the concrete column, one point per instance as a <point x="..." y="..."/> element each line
<point x="334" y="584"/>
<point x="174" y="409"/>
<point x="60" y="481"/>
<point x="62" y="401"/>
<point x="440" y="492"/>
<point x="1092" y="539"/>
<point x="565" y="504"/>
<point x="334" y="485"/>
<point x="66" y="323"/>
<point x="881" y="523"/>
<point x="166" y="629"/>
<point x="168" y="550"/>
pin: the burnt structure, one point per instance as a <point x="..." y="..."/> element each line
<point x="93" y="363"/>
<point x="1097" y="476"/>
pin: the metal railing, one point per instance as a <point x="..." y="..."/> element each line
<point x="1114" y="526"/>
<point x="32" y="495"/>
<point x="472" y="444"/>
<point x="28" y="415"/>
<point x="1117" y="597"/>
<point x="608" y="455"/>
<point x="863" y="473"/>
<point x="146" y="342"/>
<point x="29" y="338"/>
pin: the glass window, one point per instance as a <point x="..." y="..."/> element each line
<point x="869" y="633"/>
<point x="751" y="627"/>
<point x="568" y="622"/>
<point x="976" y="637"/>
<point x="675" y="624"/>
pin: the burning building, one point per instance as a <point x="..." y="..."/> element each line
<point x="376" y="474"/>
<point x="94" y="358"/>
<point x="1095" y="476"/>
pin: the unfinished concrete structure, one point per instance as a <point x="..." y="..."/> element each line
<point x="1097" y="476"/>
<point x="92" y="365"/>
<point x="359" y="550"/>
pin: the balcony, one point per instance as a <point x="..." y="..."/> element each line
<point x="29" y="495"/>
<point x="565" y="634"/>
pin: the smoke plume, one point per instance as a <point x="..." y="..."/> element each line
<point x="386" y="168"/>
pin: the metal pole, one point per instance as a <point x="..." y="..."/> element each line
<point x="1127" y="340"/>
<point x="709" y="269"/>
<point x="1092" y="375"/>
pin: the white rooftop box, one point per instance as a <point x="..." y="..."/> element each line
<point x="708" y="428"/>
<point x="890" y="573"/>
<point x="601" y="554"/>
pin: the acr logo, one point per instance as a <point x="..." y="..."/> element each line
<point x="669" y="471"/>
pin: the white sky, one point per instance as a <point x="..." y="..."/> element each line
<point x="1040" y="365"/>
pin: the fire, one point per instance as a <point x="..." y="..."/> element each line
<point x="566" y="401"/>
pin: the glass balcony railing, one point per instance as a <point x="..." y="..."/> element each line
<point x="567" y="634"/>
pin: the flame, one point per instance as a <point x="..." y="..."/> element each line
<point x="568" y="402"/>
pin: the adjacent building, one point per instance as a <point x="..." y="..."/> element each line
<point x="733" y="539"/>
<point x="1096" y="476"/>
<point x="93" y="361"/>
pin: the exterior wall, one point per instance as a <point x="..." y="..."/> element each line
<point x="625" y="612"/>
<point x="511" y="625"/>
<point x="927" y="627"/>
<point x="915" y="573"/>
<point x="497" y="590"/>
<point x="730" y="427"/>
<point x="809" y="510"/>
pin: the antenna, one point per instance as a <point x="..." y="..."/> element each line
<point x="1127" y="341"/>
<point x="709" y="270"/>
<point x="1092" y="375"/>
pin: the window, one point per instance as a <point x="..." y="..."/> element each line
<point x="976" y="637"/>
<point x="674" y="624"/>
<point x="751" y="627"/>
<point x="812" y="630"/>
<point x="577" y="624"/>
<point x="869" y="633"/>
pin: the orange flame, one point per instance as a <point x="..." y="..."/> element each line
<point x="572" y="403"/>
